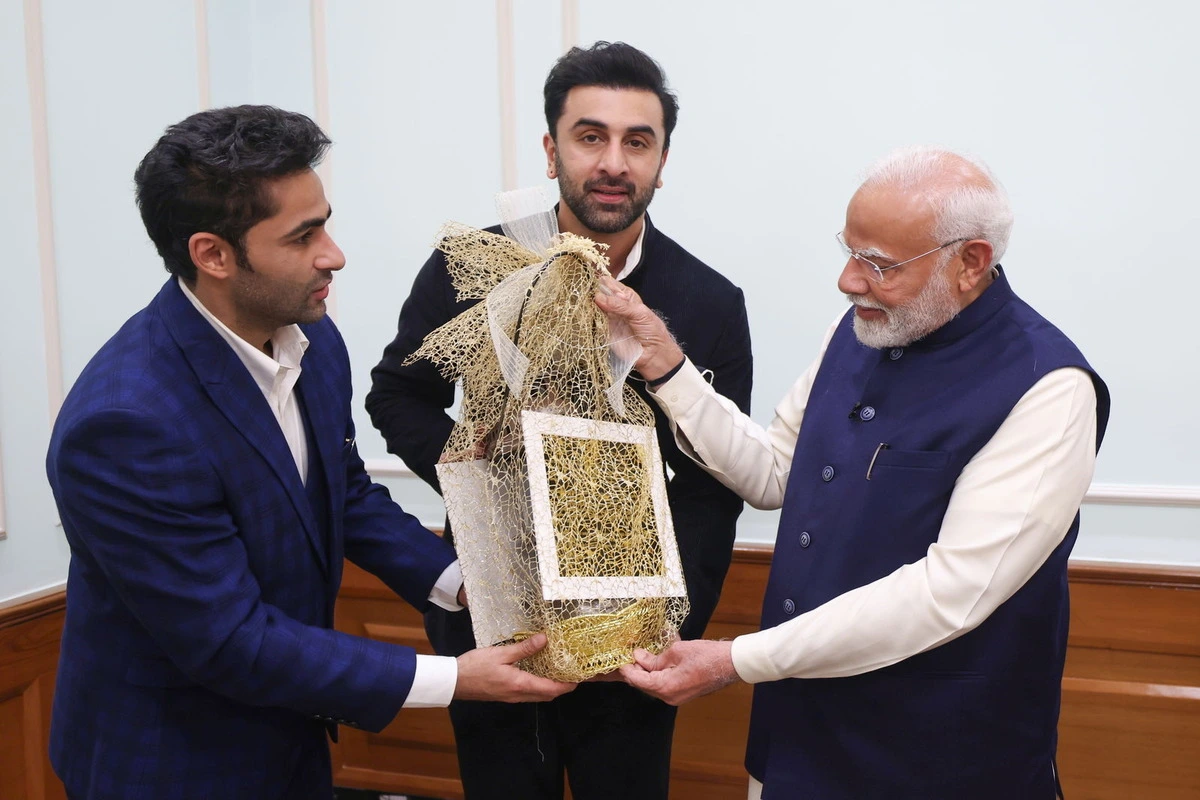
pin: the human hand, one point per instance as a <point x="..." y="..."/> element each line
<point x="487" y="673"/>
<point x="660" y="352"/>
<point x="462" y="595"/>
<point x="682" y="672"/>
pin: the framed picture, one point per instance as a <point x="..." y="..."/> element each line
<point x="601" y="520"/>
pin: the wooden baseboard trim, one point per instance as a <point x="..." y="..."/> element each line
<point x="29" y="610"/>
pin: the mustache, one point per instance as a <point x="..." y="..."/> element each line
<point x="609" y="183"/>
<point x="863" y="302"/>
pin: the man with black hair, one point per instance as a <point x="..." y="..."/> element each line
<point x="209" y="487"/>
<point x="610" y="117"/>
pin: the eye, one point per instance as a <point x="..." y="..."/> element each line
<point x="638" y="144"/>
<point x="590" y="138"/>
<point x="306" y="237"/>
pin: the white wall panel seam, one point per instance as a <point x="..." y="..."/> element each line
<point x="570" y="24"/>
<point x="36" y="72"/>
<point x="204" y="79"/>
<point x="3" y="518"/>
<point x="320" y="64"/>
<point x="506" y="74"/>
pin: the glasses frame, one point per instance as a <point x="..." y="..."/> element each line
<point x="878" y="270"/>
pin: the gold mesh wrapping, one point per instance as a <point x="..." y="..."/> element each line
<point x="537" y="342"/>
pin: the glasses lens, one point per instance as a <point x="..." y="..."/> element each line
<point x="867" y="267"/>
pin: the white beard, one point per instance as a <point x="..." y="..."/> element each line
<point x="906" y="323"/>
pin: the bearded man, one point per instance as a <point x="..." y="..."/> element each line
<point x="610" y="117"/>
<point x="930" y="465"/>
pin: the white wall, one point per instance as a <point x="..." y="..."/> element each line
<point x="1085" y="110"/>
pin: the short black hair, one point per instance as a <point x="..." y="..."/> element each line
<point x="210" y="173"/>
<point x="614" y="65"/>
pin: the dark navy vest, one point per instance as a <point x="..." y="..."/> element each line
<point x="975" y="718"/>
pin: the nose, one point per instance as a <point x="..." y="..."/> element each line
<point x="853" y="280"/>
<point x="612" y="160"/>
<point x="331" y="258"/>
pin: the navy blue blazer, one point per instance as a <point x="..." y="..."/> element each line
<point x="198" y="658"/>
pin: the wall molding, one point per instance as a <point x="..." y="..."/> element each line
<point x="50" y="590"/>
<point x="3" y="518"/>
<point x="1132" y="494"/>
<point x="1111" y="494"/>
<point x="506" y="74"/>
<point x="35" y="68"/>
<point x="32" y="606"/>
<point x="203" y="77"/>
<point x="570" y="24"/>
<point x="319" y="43"/>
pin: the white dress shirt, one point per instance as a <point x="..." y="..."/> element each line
<point x="635" y="254"/>
<point x="435" y="677"/>
<point x="1011" y="507"/>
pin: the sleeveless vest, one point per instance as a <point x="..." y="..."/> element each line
<point x="977" y="717"/>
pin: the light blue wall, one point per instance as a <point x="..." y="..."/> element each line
<point x="1085" y="110"/>
<point x="34" y="555"/>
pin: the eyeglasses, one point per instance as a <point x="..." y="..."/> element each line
<point x="875" y="271"/>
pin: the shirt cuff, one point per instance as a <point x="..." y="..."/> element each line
<point x="671" y="373"/>
<point x="434" y="680"/>
<point x="750" y="662"/>
<point x="445" y="591"/>
<point x="682" y="390"/>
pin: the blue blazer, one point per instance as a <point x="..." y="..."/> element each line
<point x="198" y="656"/>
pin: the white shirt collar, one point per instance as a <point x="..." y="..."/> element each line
<point x="635" y="253"/>
<point x="287" y="344"/>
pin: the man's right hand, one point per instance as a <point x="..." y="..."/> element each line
<point x="488" y="674"/>
<point x="660" y="352"/>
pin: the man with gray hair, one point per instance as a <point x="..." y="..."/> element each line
<point x="930" y="465"/>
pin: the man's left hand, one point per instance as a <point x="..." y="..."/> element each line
<point x="683" y="672"/>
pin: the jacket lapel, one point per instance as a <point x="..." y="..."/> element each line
<point x="228" y="384"/>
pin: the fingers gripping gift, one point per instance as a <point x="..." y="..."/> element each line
<point x="552" y="476"/>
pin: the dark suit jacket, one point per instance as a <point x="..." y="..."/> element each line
<point x="198" y="658"/>
<point x="706" y="313"/>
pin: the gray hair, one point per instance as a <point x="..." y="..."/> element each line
<point x="968" y="201"/>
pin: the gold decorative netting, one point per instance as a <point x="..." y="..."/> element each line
<point x="587" y="554"/>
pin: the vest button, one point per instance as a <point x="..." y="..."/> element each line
<point x="789" y="607"/>
<point x="827" y="474"/>
<point x="805" y="539"/>
<point x="895" y="353"/>
<point x="867" y="413"/>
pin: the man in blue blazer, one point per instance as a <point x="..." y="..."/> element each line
<point x="205" y="470"/>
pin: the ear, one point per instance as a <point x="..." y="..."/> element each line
<point x="212" y="255"/>
<point x="551" y="148"/>
<point x="976" y="256"/>
<point x="658" y="181"/>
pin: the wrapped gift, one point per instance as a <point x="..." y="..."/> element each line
<point x="552" y="476"/>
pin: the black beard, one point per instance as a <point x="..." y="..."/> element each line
<point x="599" y="219"/>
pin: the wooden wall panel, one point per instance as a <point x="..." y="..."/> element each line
<point x="1131" y="693"/>
<point x="1130" y="723"/>
<point x="29" y="637"/>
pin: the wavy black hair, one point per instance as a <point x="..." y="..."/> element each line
<point x="211" y="173"/>
<point x="615" y="65"/>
